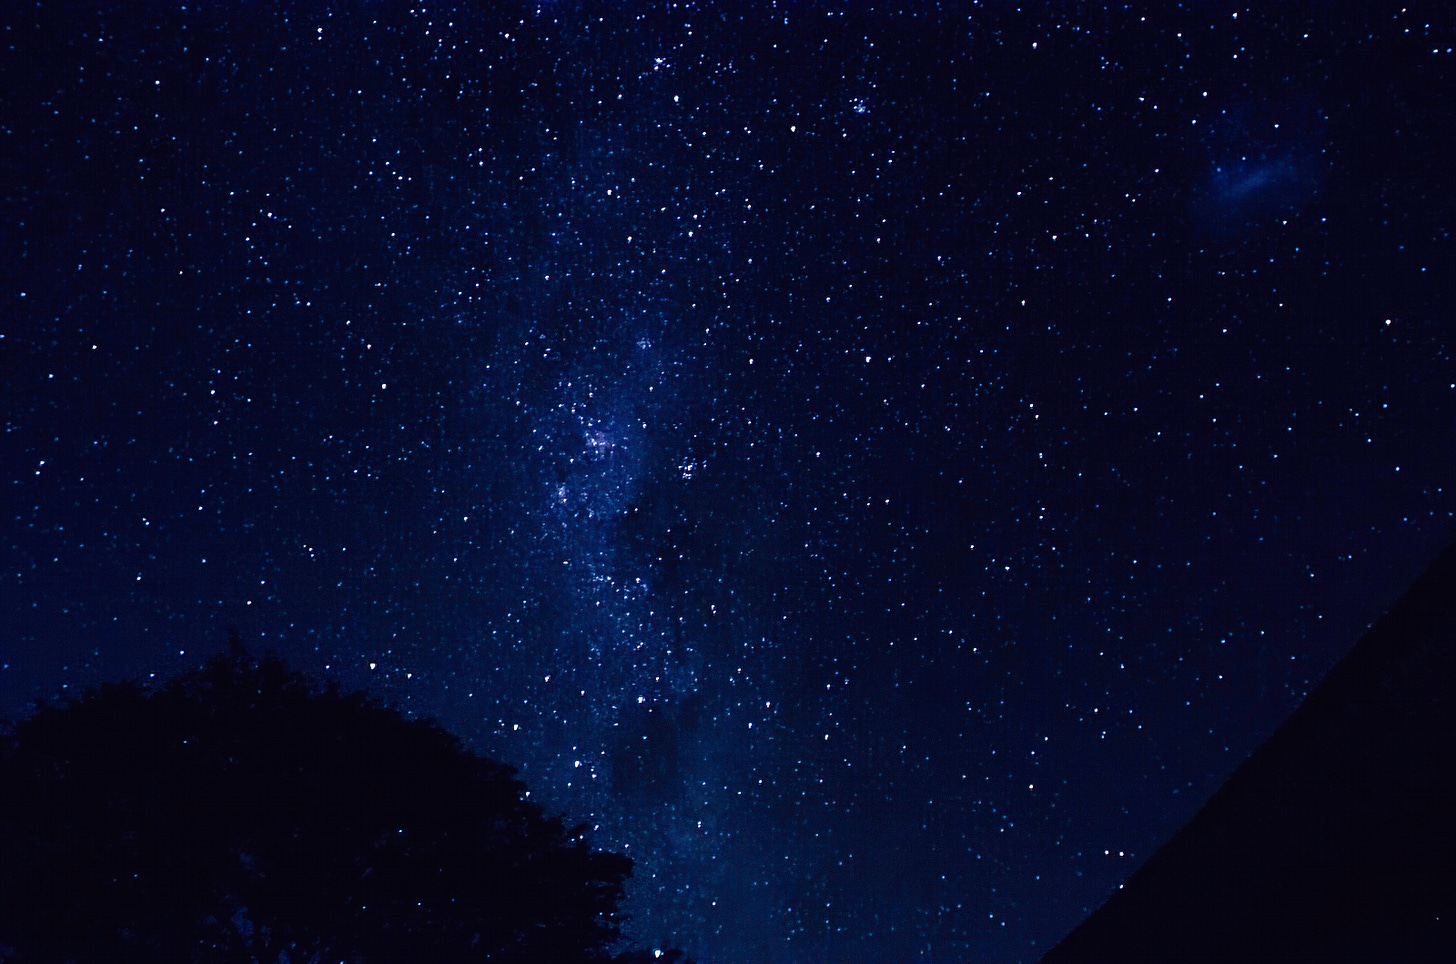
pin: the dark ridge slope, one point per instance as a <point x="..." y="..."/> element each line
<point x="1334" y="840"/>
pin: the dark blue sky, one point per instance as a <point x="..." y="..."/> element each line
<point x="882" y="464"/>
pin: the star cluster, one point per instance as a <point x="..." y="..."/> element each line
<point x="882" y="465"/>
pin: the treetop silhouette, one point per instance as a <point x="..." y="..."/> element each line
<point x="242" y="812"/>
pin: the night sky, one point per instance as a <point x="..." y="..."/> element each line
<point x="882" y="465"/>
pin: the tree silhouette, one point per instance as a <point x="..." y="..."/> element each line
<point x="243" y="813"/>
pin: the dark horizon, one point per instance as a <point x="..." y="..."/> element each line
<point x="1332" y="842"/>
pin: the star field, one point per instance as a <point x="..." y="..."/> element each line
<point x="882" y="465"/>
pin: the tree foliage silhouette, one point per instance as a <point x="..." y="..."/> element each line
<point x="242" y="813"/>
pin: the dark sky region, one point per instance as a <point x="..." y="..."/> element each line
<point x="881" y="464"/>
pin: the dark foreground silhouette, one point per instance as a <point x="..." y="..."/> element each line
<point x="1336" y="840"/>
<point x="242" y="813"/>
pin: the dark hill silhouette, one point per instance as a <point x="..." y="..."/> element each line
<point x="1334" y="841"/>
<point x="242" y="813"/>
